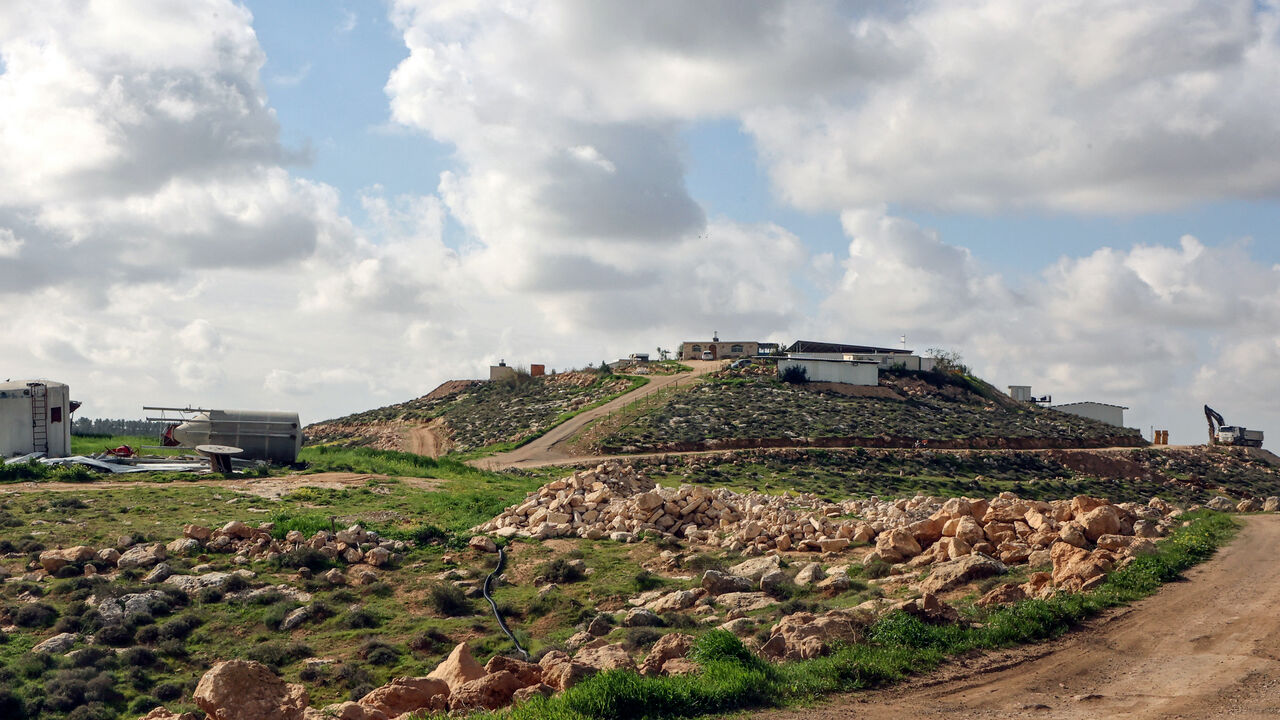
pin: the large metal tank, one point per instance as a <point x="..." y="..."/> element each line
<point x="263" y="435"/>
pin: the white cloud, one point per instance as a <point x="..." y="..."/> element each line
<point x="10" y="244"/>
<point x="1089" y="107"/>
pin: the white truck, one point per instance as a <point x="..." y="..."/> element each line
<point x="1236" y="435"/>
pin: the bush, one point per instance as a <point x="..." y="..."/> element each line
<point x="179" y="627"/>
<point x="276" y="614"/>
<point x="277" y="654"/>
<point x="379" y="653"/>
<point x="430" y="642"/>
<point x="209" y="595"/>
<point x="144" y="704"/>
<point x="304" y="557"/>
<point x="102" y="688"/>
<point x="795" y="374"/>
<point x="449" y="600"/>
<point x="116" y="635"/>
<point x="235" y="583"/>
<point x="92" y="711"/>
<point x="559" y="571"/>
<point x="645" y="581"/>
<point x="138" y="657"/>
<point x="638" y="638"/>
<point x="35" y="615"/>
<point x="11" y="705"/>
<point x="360" y="618"/>
<point x="147" y="634"/>
<point x="168" y="691"/>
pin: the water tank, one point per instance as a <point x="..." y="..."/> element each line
<point x="263" y="435"/>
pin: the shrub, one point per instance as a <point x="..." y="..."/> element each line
<point x="179" y="627"/>
<point x="278" y="654"/>
<point x="144" y="704"/>
<point x="147" y="634"/>
<point x="877" y="569"/>
<point x="35" y="615"/>
<point x="102" y="688"/>
<point x="304" y="557"/>
<point x="795" y="374"/>
<point x="116" y="635"/>
<point x="138" y="657"/>
<point x="430" y="642"/>
<point x="209" y="595"/>
<point x="449" y="600"/>
<point x="638" y="638"/>
<point x="559" y="571"/>
<point x="645" y="581"/>
<point x="379" y="653"/>
<point x="276" y="614"/>
<point x="11" y="705"/>
<point x="360" y="618"/>
<point x="235" y="583"/>
<point x="168" y="691"/>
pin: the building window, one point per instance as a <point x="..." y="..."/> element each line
<point x="55" y="414"/>
<point x="736" y="349"/>
<point x="697" y="348"/>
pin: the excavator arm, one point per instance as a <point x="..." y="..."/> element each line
<point x="1215" y="421"/>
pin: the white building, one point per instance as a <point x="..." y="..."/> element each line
<point x="1102" y="412"/>
<point x="837" y="370"/>
<point x="886" y="358"/>
<point x="35" y="416"/>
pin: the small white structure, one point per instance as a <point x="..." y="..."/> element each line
<point x="1102" y="412"/>
<point x="35" y="416"/>
<point x="1021" y="393"/>
<point x="837" y="370"/>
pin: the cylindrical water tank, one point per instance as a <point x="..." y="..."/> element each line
<point x="263" y="435"/>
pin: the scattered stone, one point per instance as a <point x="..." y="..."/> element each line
<point x="159" y="573"/>
<point x="641" y="617"/>
<point x="718" y="583"/>
<point x="57" y="645"/>
<point x="483" y="544"/>
<point x="954" y="573"/>
<point x="668" y="647"/>
<point x="141" y="556"/>
<point x="606" y="657"/>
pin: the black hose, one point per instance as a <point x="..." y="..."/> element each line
<point x="502" y="560"/>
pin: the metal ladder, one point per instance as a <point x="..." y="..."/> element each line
<point x="39" y="417"/>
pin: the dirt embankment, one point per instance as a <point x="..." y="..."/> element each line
<point x="1204" y="648"/>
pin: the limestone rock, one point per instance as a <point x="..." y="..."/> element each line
<point x="606" y="657"/>
<point x="246" y="690"/>
<point x="641" y="617"/>
<point x="668" y="647"/>
<point x="526" y="673"/>
<point x="141" y="556"/>
<point x="756" y="568"/>
<point x="718" y="583"/>
<point x="56" y="645"/>
<point x="954" y="573"/>
<point x="458" y="669"/>
<point x="809" y="574"/>
<point x="1006" y="594"/>
<point x="489" y="692"/>
<point x="561" y="673"/>
<point x="897" y="545"/>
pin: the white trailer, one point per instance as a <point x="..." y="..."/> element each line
<point x="35" y="417"/>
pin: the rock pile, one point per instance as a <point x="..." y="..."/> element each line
<point x="246" y="690"/>
<point x="614" y="501"/>
<point x="354" y="546"/>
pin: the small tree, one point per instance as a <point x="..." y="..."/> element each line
<point x="664" y="355"/>
<point x="605" y="369"/>
<point x="795" y="374"/>
<point x="947" y="361"/>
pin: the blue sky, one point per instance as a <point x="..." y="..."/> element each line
<point x="336" y="205"/>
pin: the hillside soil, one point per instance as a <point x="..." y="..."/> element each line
<point x="1203" y="648"/>
<point x="552" y="448"/>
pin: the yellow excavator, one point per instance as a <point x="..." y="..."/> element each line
<point x="1220" y="433"/>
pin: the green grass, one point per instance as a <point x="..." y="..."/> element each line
<point x="94" y="444"/>
<point x="897" y="645"/>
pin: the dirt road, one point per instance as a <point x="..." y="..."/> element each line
<point x="1205" y="648"/>
<point x="550" y="448"/>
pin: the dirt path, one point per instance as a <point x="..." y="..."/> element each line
<point x="267" y="487"/>
<point x="550" y="448"/>
<point x="1205" y="648"/>
<point x="426" y="440"/>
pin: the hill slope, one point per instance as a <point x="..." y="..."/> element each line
<point x="467" y="415"/>
<point x="754" y="409"/>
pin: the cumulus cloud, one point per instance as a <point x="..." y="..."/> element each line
<point x="1082" y="107"/>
